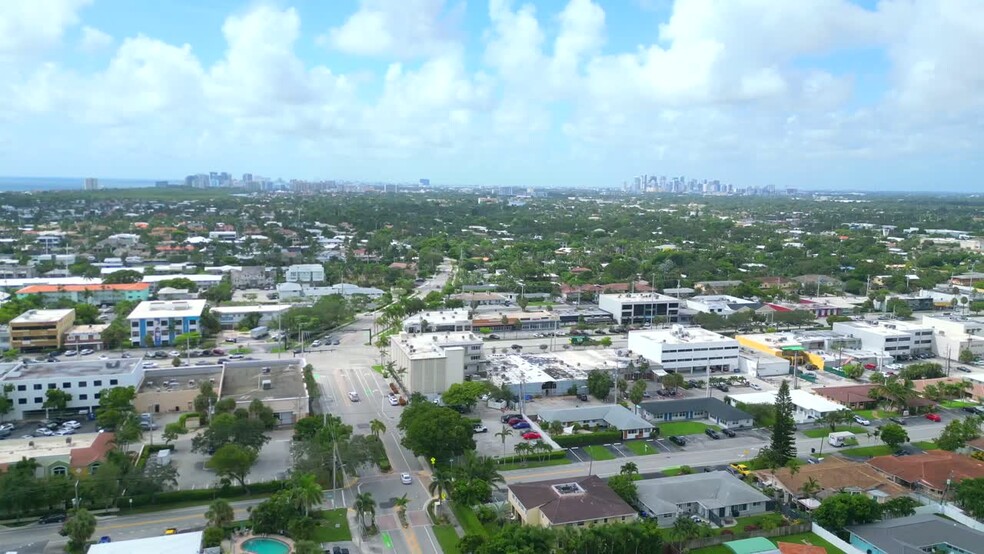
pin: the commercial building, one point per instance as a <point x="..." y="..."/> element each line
<point x="916" y="535"/>
<point x="685" y="409"/>
<point x="807" y="406"/>
<point x="79" y="337"/>
<point x="721" y="304"/>
<point x="762" y="365"/>
<point x="163" y="321"/>
<point x="305" y="273"/>
<point x="439" y="321"/>
<point x="252" y="277"/>
<point x="180" y="543"/>
<point x="95" y="294"/>
<point x="40" y="329"/>
<point x="202" y="281"/>
<point x="299" y="290"/>
<point x="954" y="334"/>
<point x="611" y="416"/>
<point x="435" y="361"/>
<point x="714" y="496"/>
<point x="231" y="316"/>
<point x="482" y="299"/>
<point x="800" y="347"/>
<point x="84" y="379"/>
<point x="686" y="349"/>
<point x="640" y="308"/>
<point x="549" y="374"/>
<point x="576" y="501"/>
<point x="899" y="340"/>
<point x="516" y="321"/>
<point x="71" y="455"/>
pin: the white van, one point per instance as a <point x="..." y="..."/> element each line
<point x="840" y="438"/>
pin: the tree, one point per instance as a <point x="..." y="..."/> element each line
<point x="625" y="486"/>
<point x="629" y="468"/>
<point x="810" y="487"/>
<point x="182" y="283"/>
<point x="364" y="504"/>
<point x="6" y="404"/>
<point x="599" y="384"/>
<point x="304" y="492"/>
<point x="220" y="513"/>
<point x="894" y="435"/>
<point x="637" y="391"/>
<point x="957" y="433"/>
<point x="376" y="427"/>
<point x="506" y="432"/>
<point x="115" y="406"/>
<point x="171" y="432"/>
<point x="966" y="356"/>
<point x="853" y="371"/>
<point x="86" y="314"/>
<point x="900" y="506"/>
<point x="122" y="277"/>
<point x="231" y="429"/>
<point x="213" y="536"/>
<point x="307" y="547"/>
<point x="835" y="418"/>
<point x="440" y="484"/>
<point x="969" y="494"/>
<point x="465" y="395"/>
<point x="844" y="509"/>
<point x="782" y="447"/>
<point x="900" y="308"/>
<point x="556" y="428"/>
<point x="672" y="381"/>
<point x="435" y="431"/>
<point x="209" y="324"/>
<point x="79" y="529"/>
<point x="233" y="461"/>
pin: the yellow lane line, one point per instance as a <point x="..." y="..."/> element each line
<point x="159" y="521"/>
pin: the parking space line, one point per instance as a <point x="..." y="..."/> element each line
<point x="572" y="451"/>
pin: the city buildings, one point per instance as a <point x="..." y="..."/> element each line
<point x="720" y="304"/>
<point x="435" y="361"/>
<point x="686" y="349"/>
<point x="90" y="183"/>
<point x="305" y="273"/>
<point x="832" y="475"/>
<point x="806" y="405"/>
<point x="929" y="473"/>
<point x="611" y="416"/>
<point x="954" y="334"/>
<point x="161" y="321"/>
<point x="79" y="337"/>
<point x="516" y="321"/>
<point x="685" y="409"/>
<point x="713" y="496"/>
<point x="439" y="321"/>
<point x="40" y="329"/>
<point x="179" y="543"/>
<point x="915" y="535"/>
<point x="640" y="308"/>
<point x="95" y="294"/>
<point x="897" y="339"/>
<point x="552" y="373"/>
<point x="299" y="290"/>
<point x="569" y="501"/>
<point x="252" y="277"/>
<point x="231" y="316"/>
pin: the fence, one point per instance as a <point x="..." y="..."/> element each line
<point x="835" y="540"/>
<point x="721" y="539"/>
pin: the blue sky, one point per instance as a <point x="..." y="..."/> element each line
<point x="809" y="94"/>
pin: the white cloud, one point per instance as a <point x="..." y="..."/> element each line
<point x="94" y="40"/>
<point x="28" y="28"/>
<point x="404" y="29"/>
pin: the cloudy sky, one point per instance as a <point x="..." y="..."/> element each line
<point x="804" y="93"/>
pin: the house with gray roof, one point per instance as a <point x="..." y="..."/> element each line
<point x="610" y="415"/>
<point x="713" y="496"/>
<point x="685" y="409"/>
<point x="916" y="534"/>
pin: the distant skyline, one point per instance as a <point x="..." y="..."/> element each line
<point x="825" y="94"/>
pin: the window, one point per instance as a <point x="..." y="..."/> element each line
<point x="114" y="382"/>
<point x="66" y="385"/>
<point x="94" y="467"/>
<point x="83" y="384"/>
<point x="97" y="395"/>
<point x="135" y="324"/>
<point x="38" y="400"/>
<point x="22" y="388"/>
<point x="38" y="387"/>
<point x="59" y="470"/>
<point x="22" y="401"/>
<point x="97" y="383"/>
<point x="51" y="386"/>
<point x="83" y="397"/>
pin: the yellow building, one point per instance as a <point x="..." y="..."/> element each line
<point x="40" y="329"/>
<point x="791" y="346"/>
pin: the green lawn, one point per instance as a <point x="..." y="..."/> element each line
<point x="599" y="452"/>
<point x="875" y="414"/>
<point x="672" y="471"/>
<point x="759" y="520"/>
<point x="958" y="404"/>
<point x="533" y="463"/>
<point x="869" y="451"/>
<point x="802" y="538"/>
<point x="447" y="537"/>
<point x="327" y="530"/>
<point x="683" y="428"/>
<point x="824" y="431"/>
<point x="926" y="445"/>
<point x="467" y="519"/>
<point x="642" y="448"/>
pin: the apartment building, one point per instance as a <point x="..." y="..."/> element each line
<point x="640" y="308"/>
<point x="689" y="349"/>
<point x="40" y="329"/>
<point x="305" y="273"/>
<point x="163" y="321"/>
<point x="95" y="294"/>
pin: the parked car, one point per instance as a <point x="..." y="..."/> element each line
<point x="755" y="386"/>
<point x="970" y="409"/>
<point x="105" y="539"/>
<point x="171" y="531"/>
<point x="54" y="518"/>
<point x="7" y="427"/>
<point x="712" y="433"/>
<point x="232" y="340"/>
<point x="44" y="432"/>
<point x="71" y="353"/>
<point x="934" y="417"/>
<point x="861" y="420"/>
<point x="728" y="432"/>
<point x="507" y="417"/>
<point x="521" y="425"/>
<point x="63" y="432"/>
<point x="86" y="351"/>
<point x="480" y="429"/>
<point x="532" y="435"/>
<point x="679" y="441"/>
<point x="898" y="420"/>
<point x="336" y="342"/>
<point x="394" y="400"/>
<point x="405" y="478"/>
<point x="515" y="420"/>
<point x="963" y="369"/>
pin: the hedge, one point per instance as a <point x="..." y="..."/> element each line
<point x="552" y="455"/>
<point x="586" y="439"/>
<point x="203" y="495"/>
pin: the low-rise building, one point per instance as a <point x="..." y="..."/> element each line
<point x="299" y="290"/>
<point x="929" y="473"/>
<point x="95" y="294"/>
<point x="438" y="321"/>
<point x="180" y="543"/>
<point x="305" y="273"/>
<point x="516" y="321"/>
<point x="898" y="340"/>
<point x="435" y="361"/>
<point x="171" y="293"/>
<point x="203" y="281"/>
<point x="954" y="334"/>
<point x="481" y="299"/>
<point x="549" y="374"/>
<point x="611" y="416"/>
<point x="40" y="329"/>
<point x="807" y="406"/>
<point x="799" y="347"/>
<point x="252" y="277"/>
<point x="574" y="501"/>
<point x="915" y="535"/>
<point x="721" y="304"/>
<point x="159" y="322"/>
<point x="762" y="365"/>
<point x="686" y="349"/>
<point x="714" y="496"/>
<point x="79" y="337"/>
<point x="832" y="475"/>
<point x="70" y="456"/>
<point x="640" y="308"/>
<point x="231" y="316"/>
<point x="685" y="409"/>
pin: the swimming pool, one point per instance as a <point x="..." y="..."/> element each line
<point x="265" y="546"/>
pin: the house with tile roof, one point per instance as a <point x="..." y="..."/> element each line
<point x="575" y="501"/>
<point x="929" y="473"/>
<point x="832" y="475"/>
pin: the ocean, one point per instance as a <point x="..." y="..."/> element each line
<point x="12" y="184"/>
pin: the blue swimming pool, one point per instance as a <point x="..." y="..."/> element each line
<point x="266" y="546"/>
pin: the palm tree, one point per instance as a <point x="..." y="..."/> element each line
<point x="810" y="487"/>
<point x="794" y="466"/>
<point x="894" y="391"/>
<point x="376" y="427"/>
<point x="401" y="503"/>
<point x="364" y="504"/>
<point x="833" y="419"/>
<point x="219" y="513"/>
<point x="506" y="432"/>
<point x="305" y="492"/>
<point x="629" y="468"/>
<point x="440" y="484"/>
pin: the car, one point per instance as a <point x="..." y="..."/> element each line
<point x="860" y="420"/>
<point x="696" y="518"/>
<point x="174" y="354"/>
<point x="203" y="362"/>
<point x="515" y="420"/>
<point x="679" y="441"/>
<point x="54" y="518"/>
<point x="728" y="432"/>
<point x="336" y="342"/>
<point x="7" y="427"/>
<point x="353" y="396"/>
<point x="722" y="387"/>
<point x="521" y="425"/>
<point x="870" y="366"/>
<point x="44" y="432"/>
<point x="149" y="365"/>
<point x="405" y="478"/>
<point x="712" y="433"/>
<point x="480" y="429"/>
<point x="71" y="353"/>
<point x="970" y="409"/>
<point x="394" y="400"/>
<point x="103" y="357"/>
<point x="898" y="420"/>
<point x="63" y="432"/>
<point x="86" y="351"/>
<point x="236" y="357"/>
<point x="148" y="426"/>
<point x="532" y="435"/>
<point x="934" y="417"/>
<point x="298" y="351"/>
<point x="105" y="539"/>
<point x="315" y="344"/>
<point x="218" y="352"/>
<point x="963" y="369"/>
<point x="582" y="397"/>
<point x="645" y="394"/>
<point x="232" y="340"/>
<point x="739" y="469"/>
<point x="755" y="386"/>
<point x="507" y="417"/>
<point x="171" y="531"/>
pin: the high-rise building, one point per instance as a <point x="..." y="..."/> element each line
<point x="90" y="183"/>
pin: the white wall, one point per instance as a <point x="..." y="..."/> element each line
<point x="835" y="540"/>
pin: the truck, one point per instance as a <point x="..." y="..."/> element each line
<point x="259" y="332"/>
<point x="840" y="438"/>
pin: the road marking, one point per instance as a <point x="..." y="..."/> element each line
<point x="387" y="540"/>
<point x="200" y="516"/>
<point x="411" y="538"/>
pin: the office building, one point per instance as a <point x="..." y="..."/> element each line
<point x="90" y="183"/>
<point x="897" y="339"/>
<point x="40" y="329"/>
<point x="686" y="349"/>
<point x="435" y="361"/>
<point x="640" y="308"/>
<point x="438" y="321"/>
<point x="79" y="337"/>
<point x="231" y="316"/>
<point x="954" y="334"/>
<point x="160" y="322"/>
<point x="305" y="273"/>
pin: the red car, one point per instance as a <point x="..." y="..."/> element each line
<point x="934" y="417"/>
<point x="532" y="435"/>
<point x="515" y="420"/>
<point x="870" y="366"/>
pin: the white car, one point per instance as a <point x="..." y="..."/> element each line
<point x="7" y="427"/>
<point x="394" y="400"/>
<point x="150" y="365"/>
<point x="71" y="424"/>
<point x="86" y="351"/>
<point x="64" y="431"/>
<point x="103" y="357"/>
<point x="861" y="420"/>
<point x="316" y="344"/>
<point x="71" y="353"/>
<point x="174" y="354"/>
<point x="755" y="386"/>
<point x="43" y="432"/>
<point x="405" y="478"/>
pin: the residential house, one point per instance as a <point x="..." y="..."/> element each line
<point x="930" y="473"/>
<point x="686" y="409"/>
<point x="611" y="416"/>
<point x="574" y="501"/>
<point x="832" y="475"/>
<point x="66" y="456"/>
<point x="714" y="496"/>
<point x="916" y="534"/>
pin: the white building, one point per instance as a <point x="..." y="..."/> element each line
<point x="163" y="321"/>
<point x="83" y="378"/>
<point x="954" y="334"/>
<point x="807" y="406"/>
<point x="180" y="543"/>
<point x="439" y="321"/>
<point x="298" y="290"/>
<point x="226" y="236"/>
<point x="897" y="339"/>
<point x="435" y="361"/>
<point x="761" y="364"/>
<point x="305" y="273"/>
<point x="690" y="349"/>
<point x="640" y="308"/>
<point x="720" y="304"/>
<point x="231" y="316"/>
<point x="201" y="280"/>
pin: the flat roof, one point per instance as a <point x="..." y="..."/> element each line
<point x="804" y="399"/>
<point x="679" y="334"/>
<point x="458" y="315"/>
<point x="153" y="309"/>
<point x="640" y="297"/>
<point x="244" y="381"/>
<point x="256" y="308"/>
<point x="917" y="533"/>
<point x="156" y="378"/>
<point x="181" y="543"/>
<point x="92" y="287"/>
<point x="73" y="368"/>
<point x="12" y="450"/>
<point x="555" y="366"/>
<point x="870" y="328"/>
<point x="42" y="316"/>
<point x="193" y="277"/>
<point x="97" y="328"/>
<point x="432" y="345"/>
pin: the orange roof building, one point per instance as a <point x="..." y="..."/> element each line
<point x="92" y="294"/>
<point x="930" y="471"/>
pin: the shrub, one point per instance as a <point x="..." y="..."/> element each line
<point x="200" y="495"/>
<point x="575" y="428"/>
<point x="727" y="532"/>
<point x="552" y="455"/>
<point x="598" y="437"/>
<point x="686" y="470"/>
<point x="752" y="527"/>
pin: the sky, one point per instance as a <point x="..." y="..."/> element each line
<point x="827" y="94"/>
